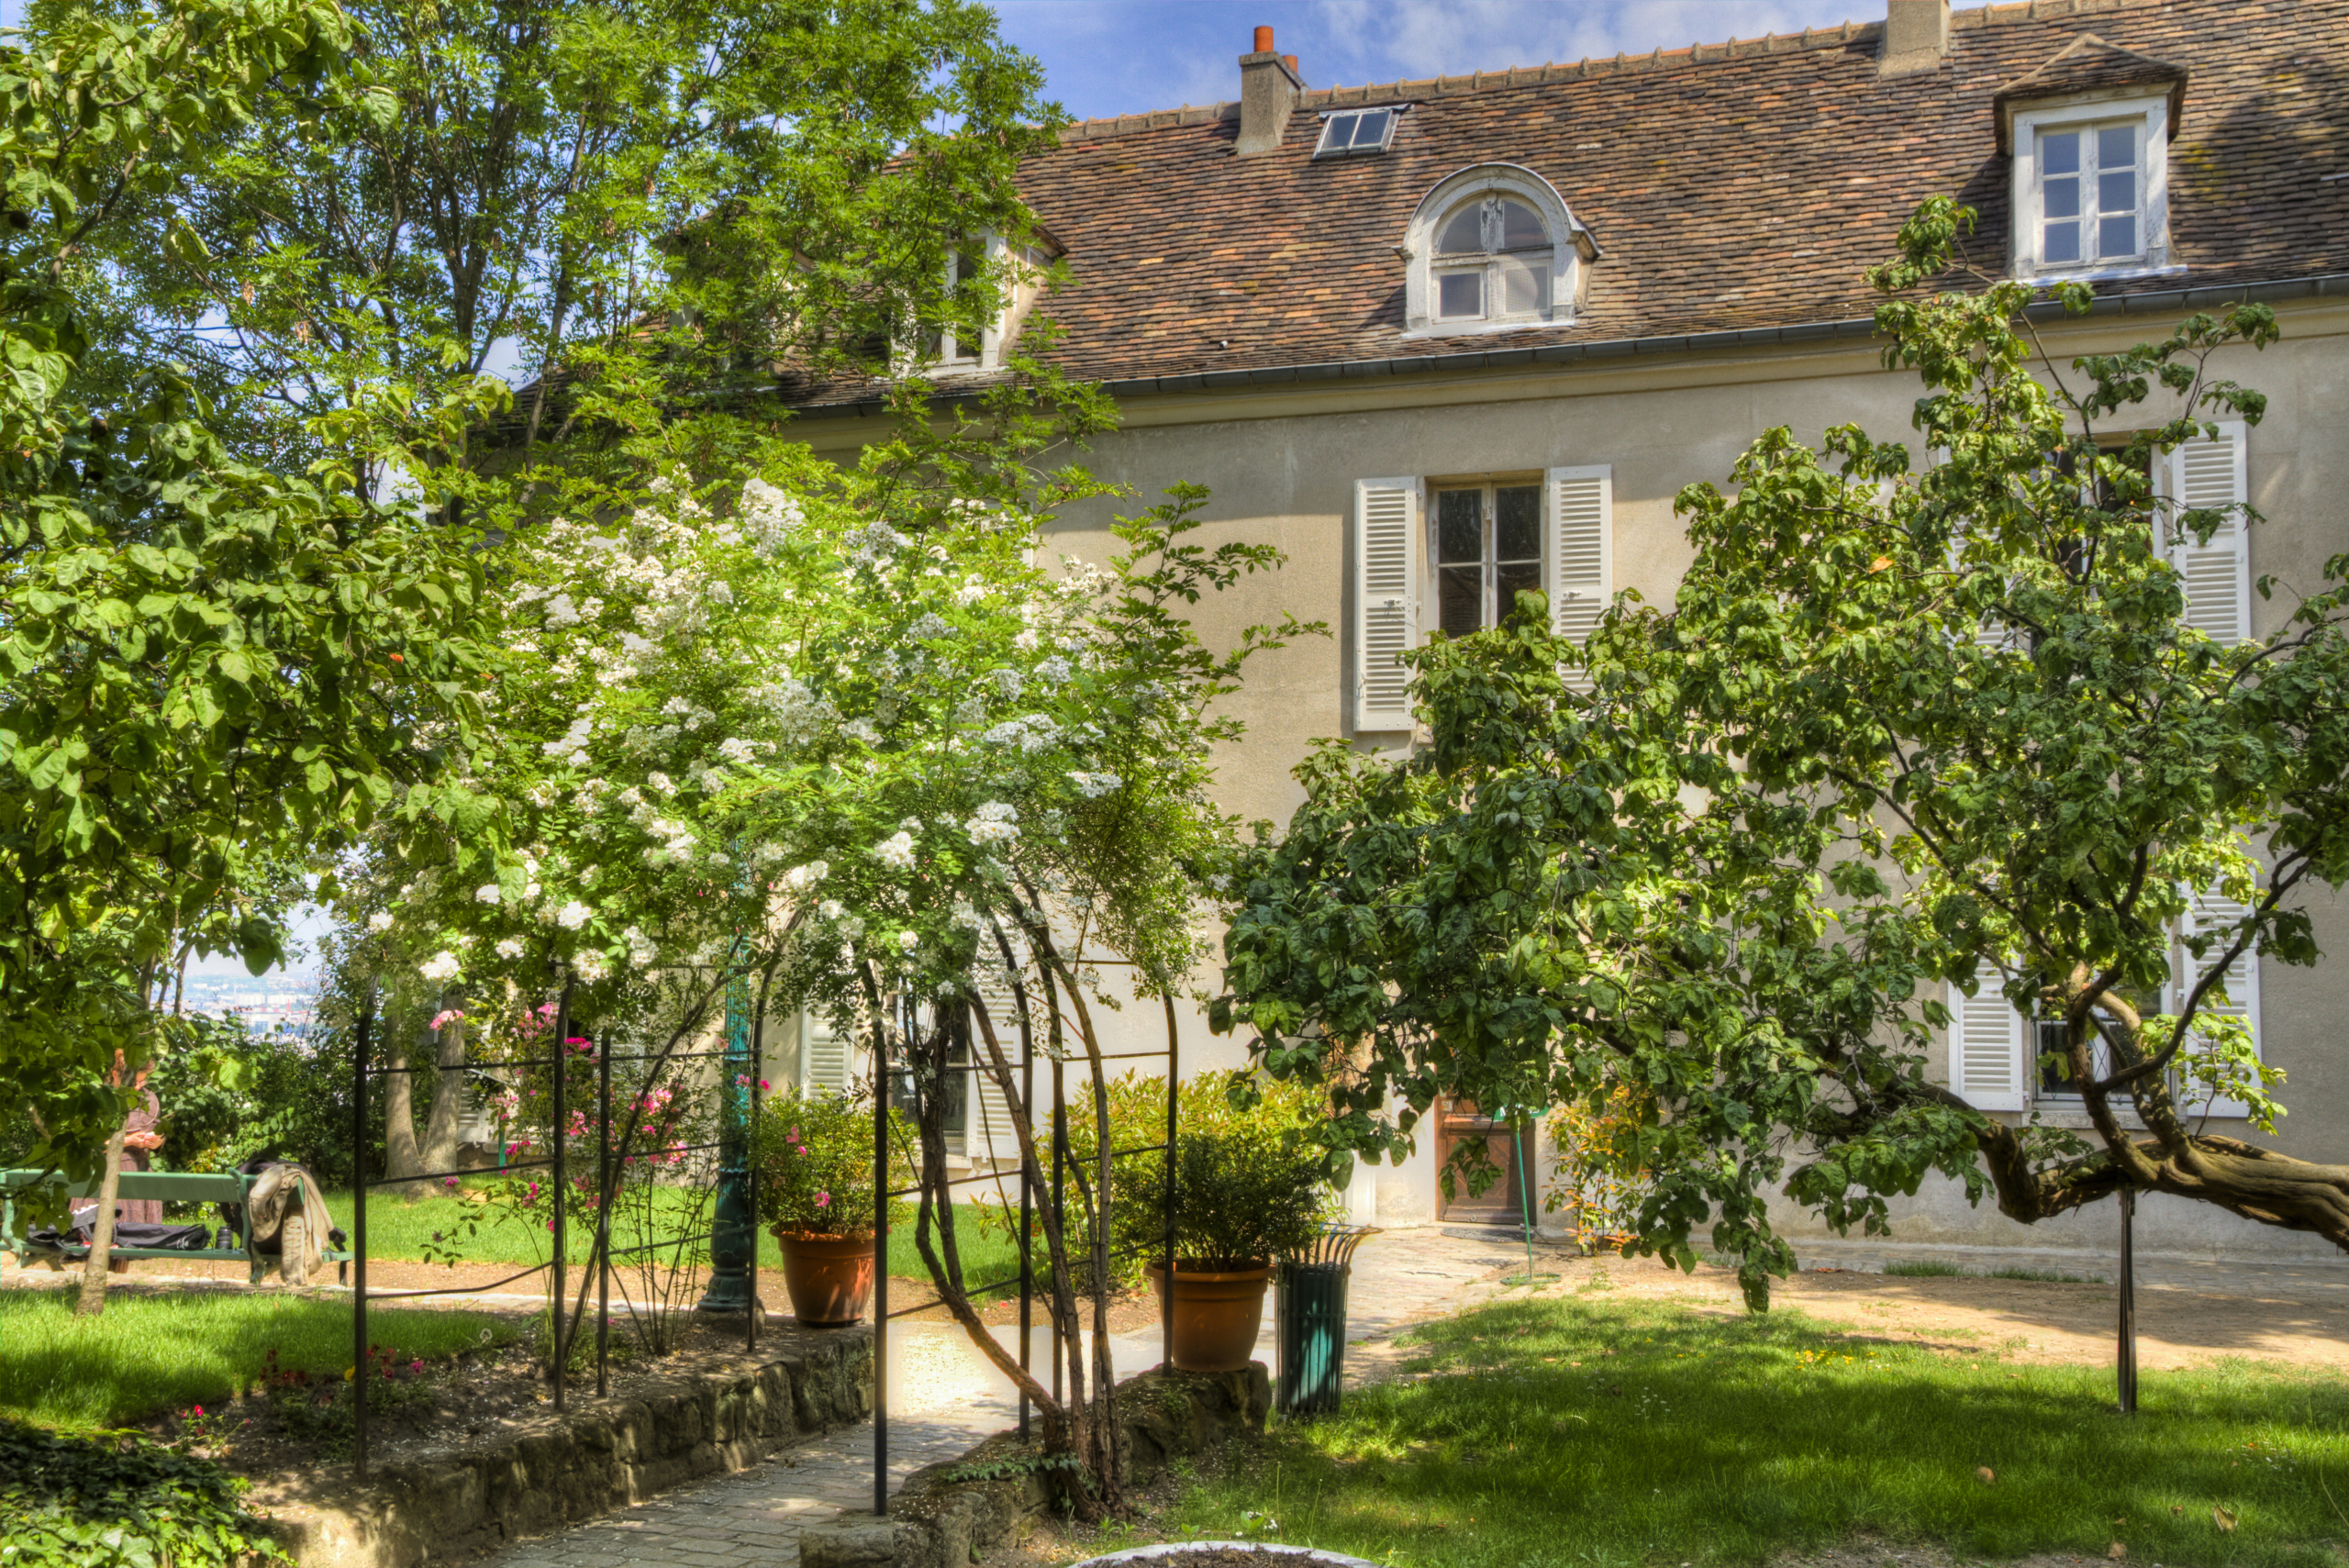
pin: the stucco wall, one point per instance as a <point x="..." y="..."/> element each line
<point x="1283" y="462"/>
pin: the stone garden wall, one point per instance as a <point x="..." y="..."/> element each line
<point x="717" y="1413"/>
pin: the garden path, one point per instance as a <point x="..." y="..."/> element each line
<point x="944" y="1399"/>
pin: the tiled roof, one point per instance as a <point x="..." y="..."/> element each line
<point x="1731" y="187"/>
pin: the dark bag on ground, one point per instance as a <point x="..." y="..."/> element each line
<point x="177" y="1238"/>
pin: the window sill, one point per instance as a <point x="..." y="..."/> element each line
<point x="2072" y="1116"/>
<point x="2102" y="274"/>
<point x="1486" y="328"/>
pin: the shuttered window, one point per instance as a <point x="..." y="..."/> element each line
<point x="1579" y="504"/>
<point x="1386" y="600"/>
<point x="2208" y="475"/>
<point x="823" y="1055"/>
<point x="2215" y="912"/>
<point x="991" y="1134"/>
<point x="1986" y="1039"/>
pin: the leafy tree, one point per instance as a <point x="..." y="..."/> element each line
<point x="1901" y="727"/>
<point x="212" y="669"/>
<point x="633" y="208"/>
<point x="658" y="216"/>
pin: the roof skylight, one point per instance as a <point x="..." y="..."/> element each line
<point x="1356" y="131"/>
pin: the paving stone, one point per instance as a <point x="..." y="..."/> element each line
<point x="753" y="1519"/>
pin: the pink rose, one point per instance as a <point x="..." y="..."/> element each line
<point x="823" y="1200"/>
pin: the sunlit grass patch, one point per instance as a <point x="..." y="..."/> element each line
<point x="1573" y="1431"/>
<point x="151" y="1351"/>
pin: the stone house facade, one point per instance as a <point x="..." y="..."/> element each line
<point x="1438" y="339"/>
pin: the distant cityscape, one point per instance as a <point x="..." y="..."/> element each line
<point x="268" y="1005"/>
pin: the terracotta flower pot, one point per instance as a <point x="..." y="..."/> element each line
<point x="829" y="1277"/>
<point x="1217" y="1315"/>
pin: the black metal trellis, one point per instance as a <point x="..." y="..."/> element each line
<point x="885" y="1075"/>
<point x="561" y="1335"/>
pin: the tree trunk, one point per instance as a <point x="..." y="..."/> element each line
<point x="401" y="1157"/>
<point x="448" y="1098"/>
<point x="93" y="1272"/>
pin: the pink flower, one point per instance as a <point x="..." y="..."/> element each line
<point x="450" y="1182"/>
<point x="795" y="1134"/>
<point x="416" y="1366"/>
<point x="199" y="1409"/>
<point x="764" y="1086"/>
<point x="823" y="1200"/>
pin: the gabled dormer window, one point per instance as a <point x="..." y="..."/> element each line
<point x="1356" y="131"/>
<point x="1492" y="248"/>
<point x="2091" y="188"/>
<point x="1019" y="275"/>
<point x="2089" y="132"/>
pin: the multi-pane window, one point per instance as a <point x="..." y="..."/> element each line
<point x="2046" y="1037"/>
<point x="1357" y="130"/>
<point x="1487" y="549"/>
<point x="948" y="348"/>
<point x="2091" y="194"/>
<point x="1492" y="262"/>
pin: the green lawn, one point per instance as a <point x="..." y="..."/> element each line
<point x="149" y="1353"/>
<point x="1577" y="1430"/>
<point x="397" y="1229"/>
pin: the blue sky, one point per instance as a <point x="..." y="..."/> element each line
<point x="1114" y="57"/>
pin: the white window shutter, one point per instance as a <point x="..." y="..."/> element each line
<point x="1987" y="1065"/>
<point x="823" y="1056"/>
<point x="2201" y="474"/>
<point x="1387" y="599"/>
<point x="1578" y="552"/>
<point x="990" y="1130"/>
<point x="2215" y="912"/>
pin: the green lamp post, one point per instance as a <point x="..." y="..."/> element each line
<point x="733" y="1248"/>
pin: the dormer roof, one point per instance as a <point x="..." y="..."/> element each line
<point x="2087" y="67"/>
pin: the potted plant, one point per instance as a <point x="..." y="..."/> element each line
<point x="1245" y="1192"/>
<point x="815" y="1169"/>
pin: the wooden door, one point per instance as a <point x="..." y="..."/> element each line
<point x="1503" y="1203"/>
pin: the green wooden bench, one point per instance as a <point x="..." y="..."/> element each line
<point x="168" y="1186"/>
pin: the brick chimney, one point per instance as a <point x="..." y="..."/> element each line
<point x="1268" y="87"/>
<point x="1916" y="38"/>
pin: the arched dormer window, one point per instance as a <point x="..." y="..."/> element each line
<point x="1494" y="247"/>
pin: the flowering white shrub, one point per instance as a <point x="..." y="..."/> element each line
<point x="850" y="730"/>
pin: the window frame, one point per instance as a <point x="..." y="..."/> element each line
<point x="1487" y="487"/>
<point x="1570" y="252"/>
<point x="1394" y="113"/>
<point x="1491" y="265"/>
<point x="2087" y="113"/>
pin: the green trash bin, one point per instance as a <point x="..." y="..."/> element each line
<point x="1311" y="1327"/>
